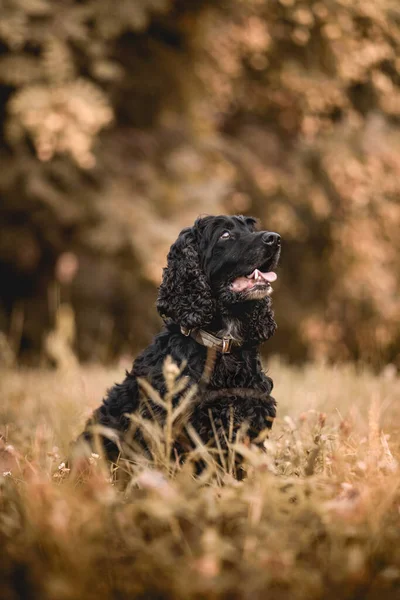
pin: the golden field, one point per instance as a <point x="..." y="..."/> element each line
<point x="317" y="515"/>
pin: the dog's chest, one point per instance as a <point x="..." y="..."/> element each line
<point x="231" y="370"/>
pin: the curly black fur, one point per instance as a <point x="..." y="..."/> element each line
<point x="196" y="292"/>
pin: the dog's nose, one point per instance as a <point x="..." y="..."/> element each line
<point x="271" y="239"/>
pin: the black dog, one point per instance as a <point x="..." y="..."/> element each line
<point x="214" y="299"/>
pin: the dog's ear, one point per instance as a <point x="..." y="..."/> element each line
<point x="260" y="324"/>
<point x="185" y="295"/>
<point x="265" y="317"/>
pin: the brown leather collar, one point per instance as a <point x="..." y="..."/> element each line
<point x="205" y="338"/>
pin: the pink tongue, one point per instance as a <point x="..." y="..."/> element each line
<point x="270" y="276"/>
<point x="243" y="283"/>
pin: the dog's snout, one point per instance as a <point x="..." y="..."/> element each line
<point x="270" y="238"/>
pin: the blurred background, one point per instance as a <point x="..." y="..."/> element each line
<point x="121" y="122"/>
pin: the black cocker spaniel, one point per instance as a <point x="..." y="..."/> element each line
<point x="215" y="301"/>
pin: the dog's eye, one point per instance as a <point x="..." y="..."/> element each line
<point x="225" y="236"/>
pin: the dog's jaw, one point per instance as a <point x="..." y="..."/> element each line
<point x="255" y="284"/>
<point x="259" y="292"/>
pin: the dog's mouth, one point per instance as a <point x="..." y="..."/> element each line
<point x="258" y="279"/>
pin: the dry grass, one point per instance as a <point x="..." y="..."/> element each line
<point x="317" y="516"/>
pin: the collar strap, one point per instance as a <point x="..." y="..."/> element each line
<point x="223" y="345"/>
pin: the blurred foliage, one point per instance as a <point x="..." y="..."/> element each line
<point x="121" y="126"/>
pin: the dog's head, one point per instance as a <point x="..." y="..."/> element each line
<point x="219" y="263"/>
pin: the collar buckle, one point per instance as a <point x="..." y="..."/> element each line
<point x="223" y="345"/>
<point x="226" y="345"/>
